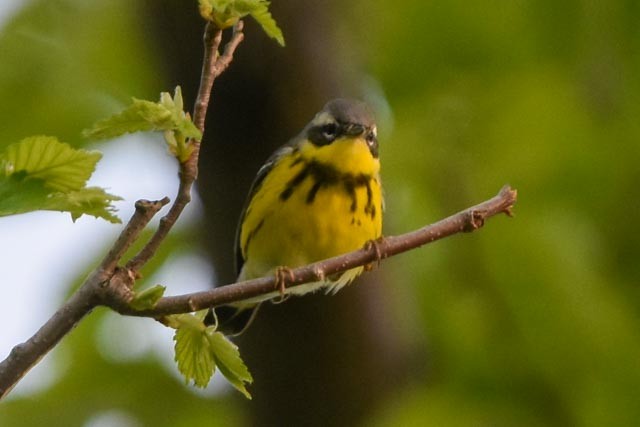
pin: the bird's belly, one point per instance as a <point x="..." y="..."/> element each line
<point x="298" y="231"/>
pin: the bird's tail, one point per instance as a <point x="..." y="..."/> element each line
<point x="232" y="320"/>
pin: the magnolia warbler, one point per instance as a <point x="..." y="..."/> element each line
<point x="316" y="197"/>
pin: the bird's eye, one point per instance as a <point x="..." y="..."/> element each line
<point x="372" y="142"/>
<point x="330" y="131"/>
<point x="371" y="139"/>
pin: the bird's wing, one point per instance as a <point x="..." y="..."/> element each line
<point x="262" y="173"/>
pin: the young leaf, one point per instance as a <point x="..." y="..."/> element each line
<point x="199" y="349"/>
<point x="225" y="14"/>
<point x="148" y="298"/>
<point x="92" y="201"/>
<point x="41" y="173"/>
<point x="227" y="358"/>
<point x="19" y="195"/>
<point x="142" y="115"/>
<point x="193" y="350"/>
<point x="220" y="12"/>
<point x="262" y="15"/>
<point x="58" y="165"/>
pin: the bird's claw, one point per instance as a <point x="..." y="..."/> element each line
<point x="375" y="245"/>
<point x="282" y="275"/>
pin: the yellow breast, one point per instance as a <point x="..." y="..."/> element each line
<point x="315" y="203"/>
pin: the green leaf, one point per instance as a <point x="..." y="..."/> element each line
<point x="193" y="350"/>
<point x="41" y="173"/>
<point x="92" y="201"/>
<point x="227" y="357"/>
<point x="142" y="116"/>
<point x="19" y="195"/>
<point x="199" y="349"/>
<point x="148" y="298"/>
<point x="226" y="13"/>
<point x="262" y="15"/>
<point x="220" y="12"/>
<point x="206" y="9"/>
<point x="58" y="165"/>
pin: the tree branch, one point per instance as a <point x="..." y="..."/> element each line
<point x="110" y="284"/>
<point x="145" y="210"/>
<point x="24" y="356"/>
<point x="467" y="220"/>
<point x="212" y="66"/>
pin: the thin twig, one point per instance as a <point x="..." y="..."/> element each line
<point x="145" y="210"/>
<point x="223" y="61"/>
<point x="212" y="66"/>
<point x="467" y="220"/>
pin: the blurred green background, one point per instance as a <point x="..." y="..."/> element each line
<point x="533" y="321"/>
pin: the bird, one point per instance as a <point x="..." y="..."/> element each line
<point x="316" y="197"/>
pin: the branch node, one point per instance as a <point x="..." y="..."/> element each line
<point x="318" y="273"/>
<point x="510" y="196"/>
<point x="473" y="219"/>
<point x="223" y="61"/>
<point x="144" y="206"/>
<point x="117" y="293"/>
<point x="509" y="211"/>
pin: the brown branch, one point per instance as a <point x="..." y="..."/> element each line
<point x="26" y="355"/>
<point x="467" y="220"/>
<point x="214" y="65"/>
<point x="145" y="210"/>
<point x="109" y="284"/>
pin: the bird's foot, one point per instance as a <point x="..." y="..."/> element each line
<point x="375" y="245"/>
<point x="282" y="275"/>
